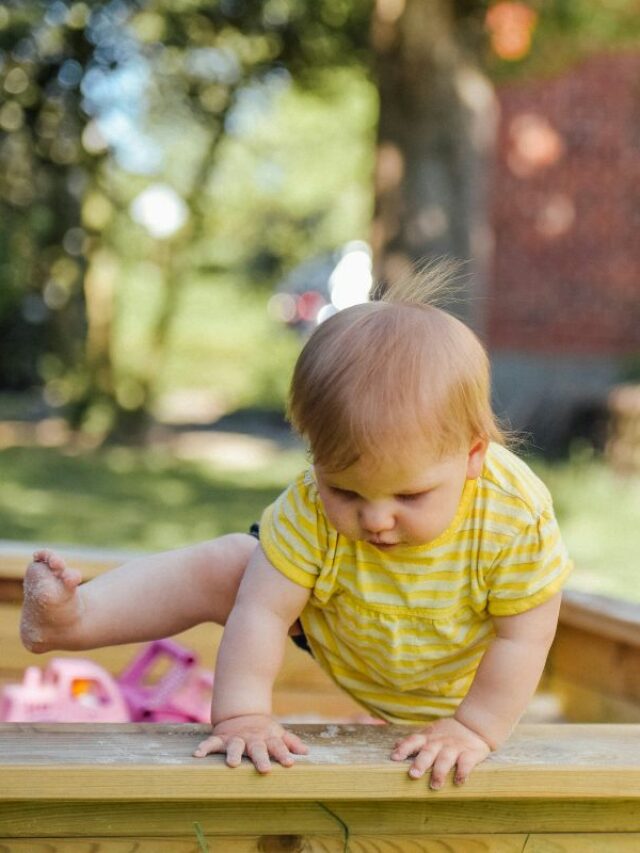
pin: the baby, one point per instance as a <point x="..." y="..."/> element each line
<point x="417" y="559"/>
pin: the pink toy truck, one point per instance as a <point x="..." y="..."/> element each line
<point x="181" y="695"/>
<point x="69" y="690"/>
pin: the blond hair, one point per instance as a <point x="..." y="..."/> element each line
<point x="374" y="377"/>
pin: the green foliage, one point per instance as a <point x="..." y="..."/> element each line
<point x="175" y="76"/>
<point x="42" y="167"/>
<point x="295" y="175"/>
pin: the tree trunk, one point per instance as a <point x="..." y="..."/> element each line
<point x="436" y="133"/>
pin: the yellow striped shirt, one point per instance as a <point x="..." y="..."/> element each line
<point x="403" y="631"/>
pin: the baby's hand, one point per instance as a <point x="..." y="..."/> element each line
<point x="255" y="735"/>
<point x="441" y="746"/>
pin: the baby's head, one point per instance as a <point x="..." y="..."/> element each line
<point x="385" y="379"/>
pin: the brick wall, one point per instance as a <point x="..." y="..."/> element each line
<point x="566" y="212"/>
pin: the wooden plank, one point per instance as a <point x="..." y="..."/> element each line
<point x="355" y="782"/>
<point x="604" y="842"/>
<point x="583" y="705"/>
<point x="153" y="762"/>
<point x="607" y="617"/>
<point x="112" y="845"/>
<point x="15" y="556"/>
<point x="118" y="818"/>
<point x="595" y="843"/>
<point x="10" y="590"/>
<point x="596" y="662"/>
<point x="275" y="844"/>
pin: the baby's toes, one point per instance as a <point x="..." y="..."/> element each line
<point x="70" y="578"/>
<point x="46" y="588"/>
<point x="57" y="565"/>
<point x="51" y="559"/>
<point x="42" y="555"/>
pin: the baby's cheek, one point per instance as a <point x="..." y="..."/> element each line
<point x="345" y="525"/>
<point x="339" y="518"/>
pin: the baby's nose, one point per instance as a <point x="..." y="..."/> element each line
<point x="376" y="518"/>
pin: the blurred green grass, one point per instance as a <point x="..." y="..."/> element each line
<point x="147" y="499"/>
<point x="598" y="510"/>
<point x="127" y="498"/>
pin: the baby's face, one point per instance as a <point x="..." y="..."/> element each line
<point x="409" y="501"/>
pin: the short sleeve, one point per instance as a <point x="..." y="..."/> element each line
<point x="530" y="569"/>
<point x="293" y="533"/>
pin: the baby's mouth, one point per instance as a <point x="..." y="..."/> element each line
<point x="382" y="545"/>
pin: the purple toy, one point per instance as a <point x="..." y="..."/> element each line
<point x="182" y="694"/>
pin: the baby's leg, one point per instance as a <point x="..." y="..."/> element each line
<point x="145" y="599"/>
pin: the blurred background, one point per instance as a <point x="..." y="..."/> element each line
<point x="187" y="188"/>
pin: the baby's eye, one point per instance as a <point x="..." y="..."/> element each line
<point x="345" y="494"/>
<point x="412" y="498"/>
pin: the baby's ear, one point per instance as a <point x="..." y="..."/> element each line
<point x="475" y="461"/>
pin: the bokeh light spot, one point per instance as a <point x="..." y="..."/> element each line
<point x="511" y="26"/>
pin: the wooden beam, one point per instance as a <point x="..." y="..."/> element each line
<point x="551" y="789"/>
<point x="15" y="556"/>
<point x="281" y="844"/>
<point x="604" y="842"/>
<point x="594" y="664"/>
<point x="153" y="762"/>
<point x="610" y="618"/>
<point x="532" y="843"/>
<point x="434" y="816"/>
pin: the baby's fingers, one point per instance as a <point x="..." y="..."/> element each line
<point x="258" y="753"/>
<point x="278" y="750"/>
<point x="233" y="747"/>
<point x="465" y="764"/>
<point x="422" y="762"/>
<point x="293" y="742"/>
<point x="444" y="762"/>
<point x="210" y="745"/>
<point x="235" y="751"/>
<point x="408" y="746"/>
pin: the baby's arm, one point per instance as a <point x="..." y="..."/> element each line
<point x="509" y="672"/>
<point x="250" y="656"/>
<point x="506" y="679"/>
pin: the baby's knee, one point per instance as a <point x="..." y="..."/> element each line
<point x="238" y="548"/>
<point x="227" y="558"/>
<point x="221" y="564"/>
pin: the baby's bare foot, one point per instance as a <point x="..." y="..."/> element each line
<point x="52" y="606"/>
